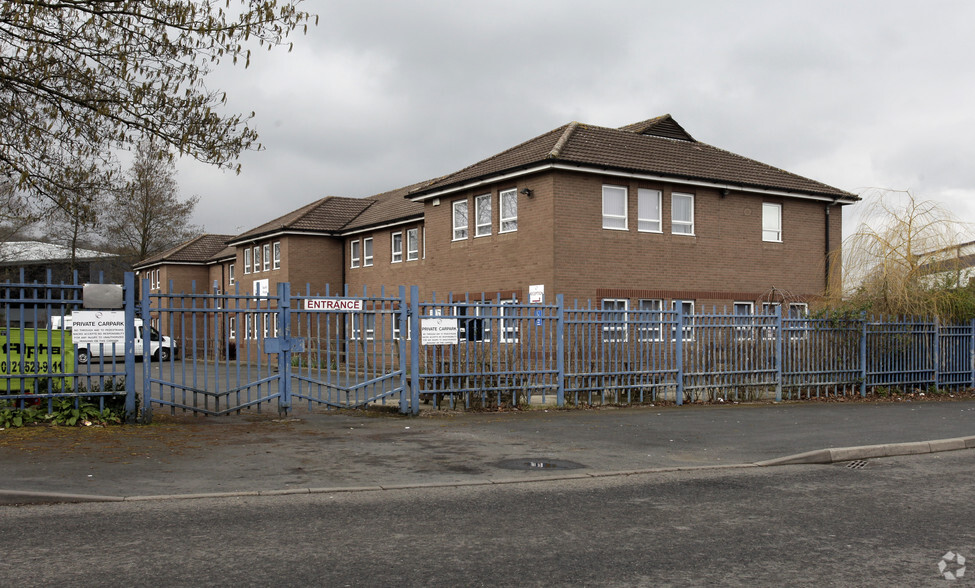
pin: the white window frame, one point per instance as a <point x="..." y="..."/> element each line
<point x="412" y="244"/>
<point x="266" y="253"/>
<point x="231" y="273"/>
<point x="687" y="329"/>
<point x="611" y="221"/>
<point x="397" y="332"/>
<point x="247" y="260"/>
<point x="232" y="327"/>
<point x="508" y="321"/>
<point x="277" y="255"/>
<point x="508" y="223"/>
<point x="482" y="208"/>
<point x="460" y="231"/>
<point x="367" y="252"/>
<point x="772" y="222"/>
<point x="613" y="327"/>
<point x="676" y="222"/>
<point x="257" y="259"/>
<point x="355" y="253"/>
<point x="646" y="221"/>
<point x="396" y="247"/>
<point x="651" y="317"/>
<point x="743" y="327"/>
<point x="769" y="309"/>
<point x="370" y="326"/>
<point x="798" y="311"/>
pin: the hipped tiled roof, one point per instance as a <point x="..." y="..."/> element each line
<point x="658" y="146"/>
<point x="197" y="250"/>
<point x="326" y="215"/>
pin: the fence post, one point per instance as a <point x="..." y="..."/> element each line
<point x="679" y="352"/>
<point x="415" y="349"/>
<point x="146" y="310"/>
<point x="284" y="351"/>
<point x="778" y="352"/>
<point x="404" y="332"/>
<point x="560" y="350"/>
<point x="128" y="283"/>
<point x="863" y="355"/>
<point x="937" y="351"/>
<point x="971" y="351"/>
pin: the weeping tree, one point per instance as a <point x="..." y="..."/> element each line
<point x="907" y="258"/>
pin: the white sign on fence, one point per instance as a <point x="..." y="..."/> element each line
<point x="98" y="326"/>
<point x="438" y="331"/>
<point x="334" y="304"/>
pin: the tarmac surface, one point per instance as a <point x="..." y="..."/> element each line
<point x="260" y="453"/>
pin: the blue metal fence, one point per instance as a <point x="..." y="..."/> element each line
<point x="241" y="350"/>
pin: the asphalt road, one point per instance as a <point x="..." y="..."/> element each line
<point x="888" y="523"/>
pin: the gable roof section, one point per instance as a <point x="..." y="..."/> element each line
<point x="388" y="207"/>
<point x="327" y="215"/>
<point x="197" y="250"/>
<point x="656" y="147"/>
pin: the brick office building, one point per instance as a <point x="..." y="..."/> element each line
<point x="643" y="216"/>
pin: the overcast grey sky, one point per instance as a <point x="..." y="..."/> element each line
<point x="385" y="94"/>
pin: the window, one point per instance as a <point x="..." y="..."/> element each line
<point x="232" y="327"/>
<point x="648" y="210"/>
<point x="649" y="319"/>
<point x="482" y="215"/>
<point x="614" y="319"/>
<point x="355" y="253"/>
<point x="471" y="324"/>
<point x="798" y="310"/>
<point x="743" y="325"/>
<point x="247" y="260"/>
<point x="687" y="307"/>
<point x="397" y="247"/>
<point x="397" y="332"/>
<point x="257" y="259"/>
<point x="509" y="211"/>
<point x="412" y="245"/>
<point x="614" y="208"/>
<point x="277" y="255"/>
<point x="249" y="326"/>
<point x="231" y="274"/>
<point x="771" y="222"/>
<point x="367" y="252"/>
<point x="770" y="309"/>
<point x="508" y="321"/>
<point x="682" y="214"/>
<point x="267" y="257"/>
<point x="366" y="321"/>
<point x="460" y="220"/>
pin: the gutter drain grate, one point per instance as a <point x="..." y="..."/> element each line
<point x="857" y="464"/>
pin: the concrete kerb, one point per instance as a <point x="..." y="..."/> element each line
<point x="841" y="454"/>
<point x="819" y="456"/>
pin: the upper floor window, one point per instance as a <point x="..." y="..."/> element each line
<point x="412" y="244"/>
<point x="367" y="252"/>
<point x="682" y="214"/>
<point x="771" y="221"/>
<point x="648" y="210"/>
<point x="355" y="253"/>
<point x="460" y="219"/>
<point x="614" y="208"/>
<point x="509" y="211"/>
<point x="396" y="241"/>
<point x="277" y="254"/>
<point x="267" y="257"/>
<point x="247" y="260"/>
<point x="482" y="215"/>
<point x="257" y="259"/>
<point x="231" y="271"/>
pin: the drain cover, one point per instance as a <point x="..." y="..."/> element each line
<point x="539" y="463"/>
<point x="856" y="464"/>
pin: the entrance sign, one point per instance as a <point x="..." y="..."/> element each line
<point x="98" y="326"/>
<point x="334" y="304"/>
<point x="438" y="331"/>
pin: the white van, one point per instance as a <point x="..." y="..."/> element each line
<point x="161" y="348"/>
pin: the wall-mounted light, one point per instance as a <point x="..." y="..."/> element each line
<point x="724" y="192"/>
<point x="527" y="192"/>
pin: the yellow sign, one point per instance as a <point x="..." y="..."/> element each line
<point x="33" y="353"/>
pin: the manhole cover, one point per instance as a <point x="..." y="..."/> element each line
<point x="856" y="464"/>
<point x="539" y="463"/>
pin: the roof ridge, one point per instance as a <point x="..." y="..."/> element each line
<point x="566" y="134"/>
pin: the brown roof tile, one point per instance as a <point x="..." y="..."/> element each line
<point x="657" y="146"/>
<point x="197" y="250"/>
<point x="326" y="215"/>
